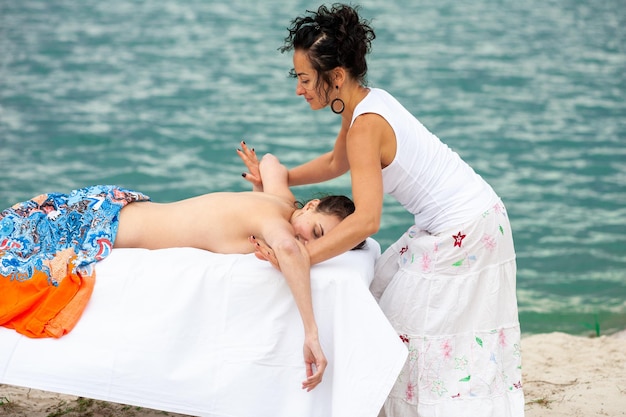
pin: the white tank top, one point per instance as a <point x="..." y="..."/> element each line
<point x="430" y="180"/>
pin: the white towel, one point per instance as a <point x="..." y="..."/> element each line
<point x="189" y="331"/>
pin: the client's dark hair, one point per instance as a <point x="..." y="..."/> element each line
<point x="339" y="206"/>
<point x="336" y="205"/>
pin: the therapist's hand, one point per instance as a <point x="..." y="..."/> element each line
<point x="263" y="251"/>
<point x="248" y="156"/>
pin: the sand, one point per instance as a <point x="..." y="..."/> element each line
<point x="564" y="376"/>
<point x="568" y="376"/>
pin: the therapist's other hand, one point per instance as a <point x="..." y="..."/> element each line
<point x="248" y="156"/>
<point x="263" y="251"/>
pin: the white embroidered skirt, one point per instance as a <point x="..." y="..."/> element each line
<point x="451" y="298"/>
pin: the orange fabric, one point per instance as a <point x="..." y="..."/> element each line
<point x="36" y="308"/>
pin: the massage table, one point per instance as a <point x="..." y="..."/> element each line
<point x="189" y="331"/>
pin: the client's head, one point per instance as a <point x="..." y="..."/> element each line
<point x="319" y="216"/>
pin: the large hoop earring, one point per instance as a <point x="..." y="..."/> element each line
<point x="335" y="101"/>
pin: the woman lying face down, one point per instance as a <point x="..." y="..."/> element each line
<point x="74" y="231"/>
<point x="223" y="222"/>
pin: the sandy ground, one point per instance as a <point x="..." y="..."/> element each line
<point x="564" y="376"/>
<point x="567" y="376"/>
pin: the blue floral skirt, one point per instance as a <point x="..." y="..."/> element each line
<point x="48" y="246"/>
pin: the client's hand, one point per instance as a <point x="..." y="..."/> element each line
<point x="248" y="156"/>
<point x="315" y="363"/>
<point x="264" y="252"/>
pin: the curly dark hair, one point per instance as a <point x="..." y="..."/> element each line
<point x="331" y="38"/>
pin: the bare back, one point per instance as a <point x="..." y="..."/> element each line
<point x="218" y="222"/>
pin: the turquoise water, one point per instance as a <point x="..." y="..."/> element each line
<point x="156" y="96"/>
